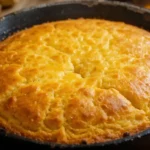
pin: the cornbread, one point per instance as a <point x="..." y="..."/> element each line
<point x="75" y="81"/>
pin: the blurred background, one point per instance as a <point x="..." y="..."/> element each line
<point x="8" y="6"/>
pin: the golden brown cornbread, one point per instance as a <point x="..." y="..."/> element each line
<point x="75" y="80"/>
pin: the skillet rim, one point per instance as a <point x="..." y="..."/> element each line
<point x="88" y="3"/>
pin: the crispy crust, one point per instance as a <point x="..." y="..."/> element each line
<point x="75" y="80"/>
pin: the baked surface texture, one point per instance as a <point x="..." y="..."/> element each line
<point x="74" y="81"/>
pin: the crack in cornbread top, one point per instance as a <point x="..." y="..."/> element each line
<point x="75" y="80"/>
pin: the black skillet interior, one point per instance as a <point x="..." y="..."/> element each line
<point x="75" y="9"/>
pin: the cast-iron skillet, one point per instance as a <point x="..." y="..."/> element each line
<point x="75" y="9"/>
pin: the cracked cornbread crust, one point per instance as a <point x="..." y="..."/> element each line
<point x="75" y="80"/>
